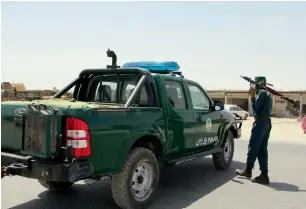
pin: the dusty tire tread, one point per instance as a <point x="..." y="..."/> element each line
<point x="120" y="189"/>
<point x="218" y="158"/>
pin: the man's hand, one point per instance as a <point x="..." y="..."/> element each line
<point x="252" y="92"/>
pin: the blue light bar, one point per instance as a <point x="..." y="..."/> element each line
<point x="153" y="66"/>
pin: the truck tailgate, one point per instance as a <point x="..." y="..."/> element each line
<point x="11" y="126"/>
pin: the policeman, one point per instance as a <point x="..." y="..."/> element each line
<point x="258" y="144"/>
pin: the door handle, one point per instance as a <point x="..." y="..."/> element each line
<point x="18" y="121"/>
<point x="199" y="118"/>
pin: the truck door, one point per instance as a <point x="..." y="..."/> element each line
<point x="206" y="120"/>
<point x="180" y="119"/>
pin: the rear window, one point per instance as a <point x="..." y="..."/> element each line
<point x="113" y="89"/>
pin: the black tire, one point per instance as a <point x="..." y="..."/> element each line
<point x="55" y="185"/>
<point x="122" y="182"/>
<point x="220" y="159"/>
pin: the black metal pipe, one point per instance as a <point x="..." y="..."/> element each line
<point x="136" y="90"/>
<point x="113" y="55"/>
<point x="115" y="71"/>
<point x="64" y="90"/>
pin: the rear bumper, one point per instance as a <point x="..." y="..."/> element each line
<point x="46" y="169"/>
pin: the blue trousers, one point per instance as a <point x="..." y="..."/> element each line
<point x="258" y="144"/>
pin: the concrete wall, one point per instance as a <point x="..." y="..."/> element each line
<point x="304" y="99"/>
<point x="278" y="104"/>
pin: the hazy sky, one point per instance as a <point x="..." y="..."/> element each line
<point x="47" y="44"/>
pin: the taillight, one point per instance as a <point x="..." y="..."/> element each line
<point x="77" y="136"/>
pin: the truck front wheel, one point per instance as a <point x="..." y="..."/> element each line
<point x="55" y="185"/>
<point x="135" y="185"/>
<point x="224" y="158"/>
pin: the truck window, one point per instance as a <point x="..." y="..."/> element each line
<point x="128" y="90"/>
<point x="107" y="92"/>
<point x="175" y="95"/>
<point x="141" y="99"/>
<point x="198" y="98"/>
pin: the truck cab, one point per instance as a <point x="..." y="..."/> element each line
<point x="124" y="122"/>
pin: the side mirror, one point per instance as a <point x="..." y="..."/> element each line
<point x="218" y="105"/>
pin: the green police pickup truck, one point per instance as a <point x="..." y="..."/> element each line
<point x="124" y="122"/>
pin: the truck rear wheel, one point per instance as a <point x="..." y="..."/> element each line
<point x="135" y="185"/>
<point x="223" y="159"/>
<point x="55" y="185"/>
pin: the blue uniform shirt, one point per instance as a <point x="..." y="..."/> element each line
<point x="262" y="104"/>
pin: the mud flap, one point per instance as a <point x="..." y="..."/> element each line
<point x="2" y="172"/>
<point x="227" y="128"/>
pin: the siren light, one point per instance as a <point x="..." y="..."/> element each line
<point x="154" y="67"/>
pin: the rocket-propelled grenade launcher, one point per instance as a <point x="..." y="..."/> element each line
<point x="272" y="91"/>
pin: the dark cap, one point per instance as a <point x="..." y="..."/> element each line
<point x="261" y="79"/>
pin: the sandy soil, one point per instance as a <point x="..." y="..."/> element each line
<point x="284" y="130"/>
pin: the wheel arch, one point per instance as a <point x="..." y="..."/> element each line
<point x="229" y="127"/>
<point x="149" y="141"/>
<point x="233" y="130"/>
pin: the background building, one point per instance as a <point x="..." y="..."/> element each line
<point x="17" y="91"/>
<point x="6" y="86"/>
<point x="241" y="98"/>
<point x="19" y="86"/>
<point x="10" y="86"/>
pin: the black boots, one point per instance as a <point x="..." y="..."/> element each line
<point x="262" y="179"/>
<point x="245" y="172"/>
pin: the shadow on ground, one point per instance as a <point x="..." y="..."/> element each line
<point x="179" y="187"/>
<point x="278" y="186"/>
<point x="284" y="187"/>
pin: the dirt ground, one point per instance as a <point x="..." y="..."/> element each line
<point x="284" y="130"/>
